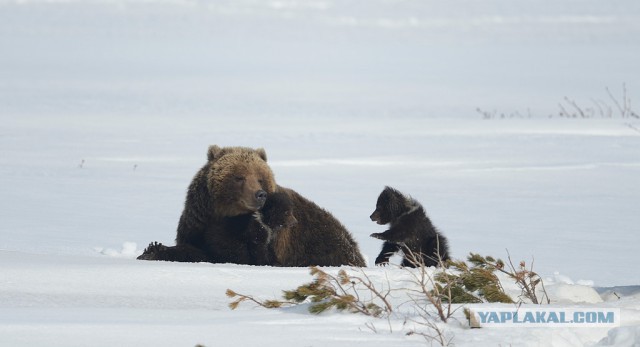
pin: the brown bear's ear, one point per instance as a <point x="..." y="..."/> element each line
<point x="214" y="152"/>
<point x="262" y="153"/>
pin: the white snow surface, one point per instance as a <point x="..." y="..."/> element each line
<point x="107" y="108"/>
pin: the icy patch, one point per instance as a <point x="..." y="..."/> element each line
<point x="129" y="250"/>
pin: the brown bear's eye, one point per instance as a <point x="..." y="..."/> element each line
<point x="239" y="178"/>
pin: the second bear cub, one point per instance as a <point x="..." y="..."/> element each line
<point x="410" y="231"/>
<point x="276" y="215"/>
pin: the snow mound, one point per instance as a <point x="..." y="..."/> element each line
<point x="562" y="289"/>
<point x="622" y="336"/>
<point x="572" y="293"/>
<point x="129" y="250"/>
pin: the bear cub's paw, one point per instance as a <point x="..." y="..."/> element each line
<point x="379" y="236"/>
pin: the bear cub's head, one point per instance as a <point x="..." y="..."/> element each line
<point x="391" y="204"/>
<point x="239" y="179"/>
<point x="277" y="213"/>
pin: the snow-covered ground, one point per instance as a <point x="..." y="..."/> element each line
<point x="107" y="109"/>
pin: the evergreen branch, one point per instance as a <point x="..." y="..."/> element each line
<point x="241" y="297"/>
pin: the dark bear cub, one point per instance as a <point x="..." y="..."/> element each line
<point x="410" y="231"/>
<point x="276" y="215"/>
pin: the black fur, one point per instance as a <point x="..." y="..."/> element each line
<point x="276" y="215"/>
<point x="410" y="231"/>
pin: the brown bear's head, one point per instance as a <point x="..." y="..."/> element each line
<point x="239" y="179"/>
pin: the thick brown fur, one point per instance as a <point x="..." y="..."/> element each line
<point x="317" y="239"/>
<point x="220" y="205"/>
<point x="221" y="199"/>
<point x="410" y="231"/>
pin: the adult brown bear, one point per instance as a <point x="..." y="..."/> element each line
<point x="221" y="204"/>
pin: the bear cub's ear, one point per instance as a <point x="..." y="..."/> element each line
<point x="262" y="153"/>
<point x="214" y="152"/>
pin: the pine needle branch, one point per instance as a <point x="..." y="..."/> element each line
<point x="241" y="297"/>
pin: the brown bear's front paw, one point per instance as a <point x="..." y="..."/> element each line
<point x="379" y="236"/>
<point x="151" y="252"/>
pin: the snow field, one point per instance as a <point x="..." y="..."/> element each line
<point x="107" y="108"/>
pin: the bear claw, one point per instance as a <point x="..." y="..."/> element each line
<point x="151" y="252"/>
<point x="383" y="262"/>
